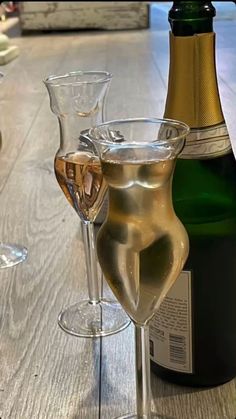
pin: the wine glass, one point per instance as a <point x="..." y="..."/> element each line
<point x="10" y="253"/>
<point x="78" y="100"/>
<point x="142" y="245"/>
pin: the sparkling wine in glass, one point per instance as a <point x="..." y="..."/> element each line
<point x="142" y="245"/>
<point x="78" y="100"/>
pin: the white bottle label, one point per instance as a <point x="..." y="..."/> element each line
<point x="207" y="143"/>
<point x="171" y="328"/>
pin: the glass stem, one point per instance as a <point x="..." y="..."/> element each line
<point x="143" y="381"/>
<point x="88" y="235"/>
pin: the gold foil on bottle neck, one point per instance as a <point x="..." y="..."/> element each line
<point x="193" y="95"/>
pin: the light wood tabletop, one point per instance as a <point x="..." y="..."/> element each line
<point x="45" y="373"/>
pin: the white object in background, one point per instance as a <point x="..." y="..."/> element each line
<point x="109" y="15"/>
<point x="7" y="52"/>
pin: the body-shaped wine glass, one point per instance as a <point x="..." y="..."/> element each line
<point x="78" y="100"/>
<point x="142" y="246"/>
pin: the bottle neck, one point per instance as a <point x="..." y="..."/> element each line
<point x="191" y="17"/>
<point x="193" y="95"/>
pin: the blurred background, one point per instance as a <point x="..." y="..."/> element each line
<point x="24" y="17"/>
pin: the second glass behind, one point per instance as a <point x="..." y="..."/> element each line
<point x="78" y="101"/>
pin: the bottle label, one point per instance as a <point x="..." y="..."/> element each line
<point x="207" y="143"/>
<point x="171" y="328"/>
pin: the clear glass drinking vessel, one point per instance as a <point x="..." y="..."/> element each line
<point x="10" y="253"/>
<point x="78" y="101"/>
<point x="142" y="245"/>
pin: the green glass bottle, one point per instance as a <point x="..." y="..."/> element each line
<point x="193" y="336"/>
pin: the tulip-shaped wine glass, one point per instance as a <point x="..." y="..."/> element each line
<point x="142" y="245"/>
<point x="78" y="100"/>
<point x="10" y="253"/>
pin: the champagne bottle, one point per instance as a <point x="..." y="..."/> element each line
<point x="193" y="335"/>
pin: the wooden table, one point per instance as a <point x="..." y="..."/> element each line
<point x="44" y="373"/>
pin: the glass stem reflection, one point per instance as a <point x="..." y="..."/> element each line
<point x="143" y="382"/>
<point x="91" y="261"/>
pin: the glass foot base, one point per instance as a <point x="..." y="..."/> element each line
<point x="11" y="254"/>
<point x="134" y="416"/>
<point x="90" y="320"/>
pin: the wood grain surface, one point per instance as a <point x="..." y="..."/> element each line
<point x="44" y="373"/>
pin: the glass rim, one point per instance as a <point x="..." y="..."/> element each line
<point x="166" y="121"/>
<point x="51" y="80"/>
